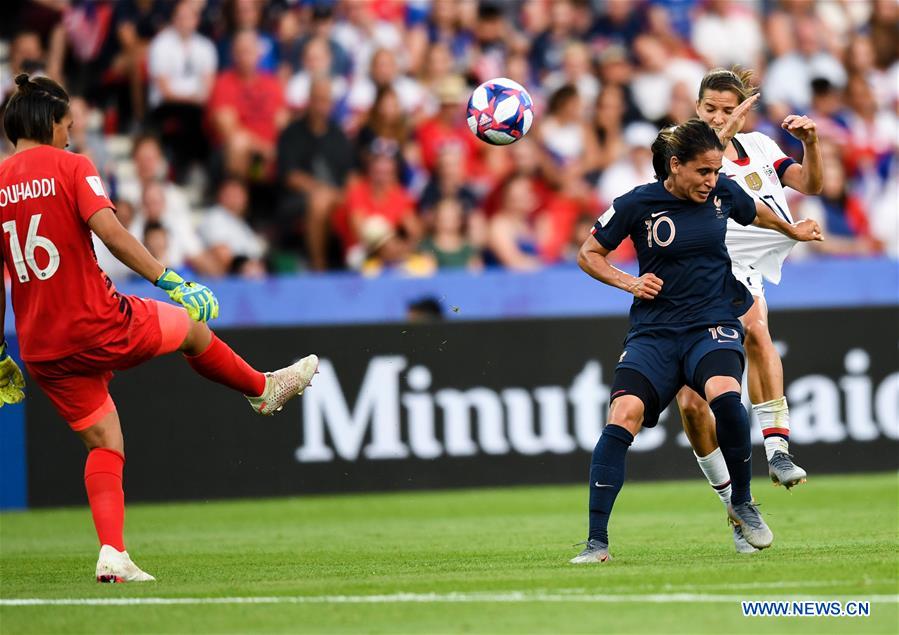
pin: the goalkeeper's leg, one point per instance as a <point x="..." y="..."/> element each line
<point x="103" y="482"/>
<point x="266" y="392"/>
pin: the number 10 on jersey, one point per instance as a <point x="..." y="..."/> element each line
<point x="33" y="241"/>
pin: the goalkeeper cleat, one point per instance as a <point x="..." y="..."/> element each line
<point x="748" y="520"/>
<point x="115" y="566"/>
<point x="740" y="543"/>
<point x="283" y="385"/>
<point x="783" y="471"/>
<point x="594" y="552"/>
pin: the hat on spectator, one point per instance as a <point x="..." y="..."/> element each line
<point x="451" y="90"/>
<point x="612" y="53"/>
<point x="375" y="232"/>
<point x="640" y="134"/>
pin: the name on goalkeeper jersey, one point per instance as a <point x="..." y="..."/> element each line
<point x="24" y="190"/>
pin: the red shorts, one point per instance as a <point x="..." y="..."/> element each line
<point x="78" y="385"/>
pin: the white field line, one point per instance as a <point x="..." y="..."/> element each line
<point x="429" y="598"/>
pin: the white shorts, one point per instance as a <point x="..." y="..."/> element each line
<point x="749" y="277"/>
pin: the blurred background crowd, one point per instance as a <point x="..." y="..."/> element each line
<point x="250" y="137"/>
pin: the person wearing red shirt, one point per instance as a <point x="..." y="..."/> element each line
<point x="246" y="111"/>
<point x="378" y="193"/>
<point x="74" y="328"/>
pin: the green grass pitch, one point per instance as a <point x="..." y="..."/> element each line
<point x="475" y="561"/>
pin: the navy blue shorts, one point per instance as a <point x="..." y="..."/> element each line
<point x="668" y="356"/>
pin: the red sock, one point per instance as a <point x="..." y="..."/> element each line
<point x="103" y="482"/>
<point x="220" y="364"/>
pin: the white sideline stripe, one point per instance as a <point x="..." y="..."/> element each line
<point x="425" y="598"/>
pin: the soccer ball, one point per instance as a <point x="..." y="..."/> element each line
<point x="500" y="111"/>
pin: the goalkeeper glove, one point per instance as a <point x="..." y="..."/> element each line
<point x="11" y="380"/>
<point x="199" y="301"/>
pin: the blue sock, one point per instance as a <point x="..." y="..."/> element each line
<point x="607" y="471"/>
<point x="732" y="426"/>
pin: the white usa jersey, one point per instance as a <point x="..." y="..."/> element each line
<point x="759" y="170"/>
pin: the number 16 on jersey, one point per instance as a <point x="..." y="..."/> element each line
<point x="32" y="242"/>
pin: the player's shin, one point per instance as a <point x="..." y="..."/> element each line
<point x="103" y="482"/>
<point x="774" y="418"/>
<point x="732" y="427"/>
<point x="714" y="467"/>
<point x="222" y="365"/>
<point x="606" y="478"/>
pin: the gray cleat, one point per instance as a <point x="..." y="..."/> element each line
<point x="746" y="517"/>
<point x="740" y="543"/>
<point x="783" y="471"/>
<point x="594" y="552"/>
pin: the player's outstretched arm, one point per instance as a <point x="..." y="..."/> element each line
<point x="804" y="230"/>
<point x="200" y="302"/>
<point x="807" y="178"/>
<point x="11" y="380"/>
<point x="592" y="259"/>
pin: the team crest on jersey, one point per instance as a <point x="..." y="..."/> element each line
<point x="718" y="212"/>
<point x="754" y="181"/>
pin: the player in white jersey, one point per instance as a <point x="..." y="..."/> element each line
<point x="761" y="168"/>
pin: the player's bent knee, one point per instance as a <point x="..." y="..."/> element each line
<point x="198" y="338"/>
<point x="627" y="411"/>
<point x="717" y="386"/>
<point x="692" y="407"/>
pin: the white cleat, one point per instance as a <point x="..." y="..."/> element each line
<point x="283" y="385"/>
<point x="116" y="566"/>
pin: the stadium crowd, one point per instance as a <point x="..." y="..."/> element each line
<point x="250" y="137"/>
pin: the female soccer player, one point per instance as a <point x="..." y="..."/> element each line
<point x="75" y="329"/>
<point x="762" y="170"/>
<point x="685" y="326"/>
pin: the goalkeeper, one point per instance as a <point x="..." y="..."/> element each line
<point x="75" y="329"/>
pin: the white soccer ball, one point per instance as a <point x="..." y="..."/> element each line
<point x="500" y="111"/>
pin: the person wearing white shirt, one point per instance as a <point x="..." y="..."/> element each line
<point x="182" y="65"/>
<point x="227" y="234"/>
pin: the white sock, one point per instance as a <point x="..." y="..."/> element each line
<point x="774" y="417"/>
<point x="715" y="469"/>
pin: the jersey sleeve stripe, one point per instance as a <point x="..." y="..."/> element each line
<point x="781" y="165"/>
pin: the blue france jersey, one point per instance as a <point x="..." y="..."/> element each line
<point x="682" y="243"/>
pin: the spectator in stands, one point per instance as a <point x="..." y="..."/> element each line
<point x="315" y="158"/>
<point x="184" y="245"/>
<point x="362" y="33"/>
<point x="438" y="66"/>
<point x="448" y="181"/>
<point x="446" y="27"/>
<point x="659" y="71"/>
<point x="386" y="250"/>
<point x="513" y="235"/>
<point x="321" y="27"/>
<point x="632" y="169"/>
<point x="727" y="33"/>
<point x="608" y="123"/>
<point x="384" y="72"/>
<point x="156" y="240"/>
<point x="448" y="127"/>
<point x="247" y="111"/>
<point x="566" y="138"/>
<point x="872" y="132"/>
<point x="448" y="242"/>
<point x="378" y="192"/>
<point x="618" y="25"/>
<point x="387" y="121"/>
<point x="226" y="233"/>
<point x="247" y="15"/>
<point x="317" y="62"/>
<point x="842" y="216"/>
<point x="150" y="167"/>
<point x="576" y="71"/>
<point x="488" y="54"/>
<point x="787" y="84"/>
<point x="85" y="137"/>
<point x="182" y="65"/>
<point x="26" y="55"/>
<point x="548" y="49"/>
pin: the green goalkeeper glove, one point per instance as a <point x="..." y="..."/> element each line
<point x="199" y="301"/>
<point x="11" y="380"/>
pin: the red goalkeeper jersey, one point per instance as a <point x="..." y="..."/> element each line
<point x="62" y="300"/>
